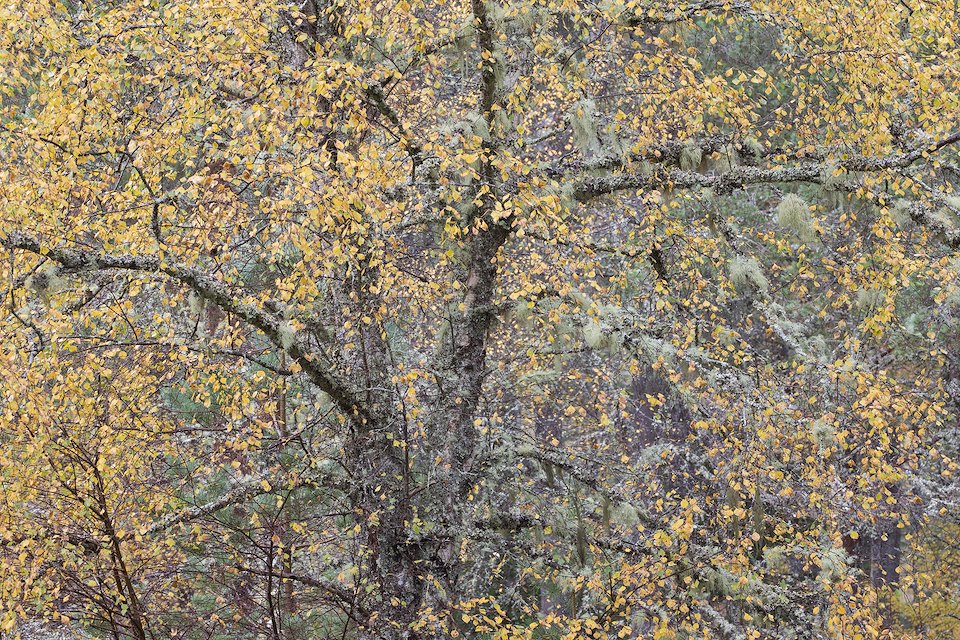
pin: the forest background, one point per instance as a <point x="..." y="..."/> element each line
<point x="489" y="319"/>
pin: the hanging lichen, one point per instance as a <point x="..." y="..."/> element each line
<point x="744" y="272"/>
<point x="691" y="156"/>
<point x="793" y="214"/>
<point x="583" y="121"/>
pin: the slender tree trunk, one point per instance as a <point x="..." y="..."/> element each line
<point x="382" y="509"/>
<point x="121" y="572"/>
<point x="288" y="605"/>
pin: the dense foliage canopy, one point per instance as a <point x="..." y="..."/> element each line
<point x="480" y="318"/>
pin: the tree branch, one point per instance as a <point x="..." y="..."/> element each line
<point x="215" y="291"/>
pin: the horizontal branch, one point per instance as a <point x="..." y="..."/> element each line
<point x="338" y="592"/>
<point x="238" y="494"/>
<point x="742" y="176"/>
<point x="924" y="216"/>
<point x="669" y="15"/>
<point x="659" y="13"/>
<point x="722" y="183"/>
<point x="211" y="290"/>
<point x="585" y="475"/>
